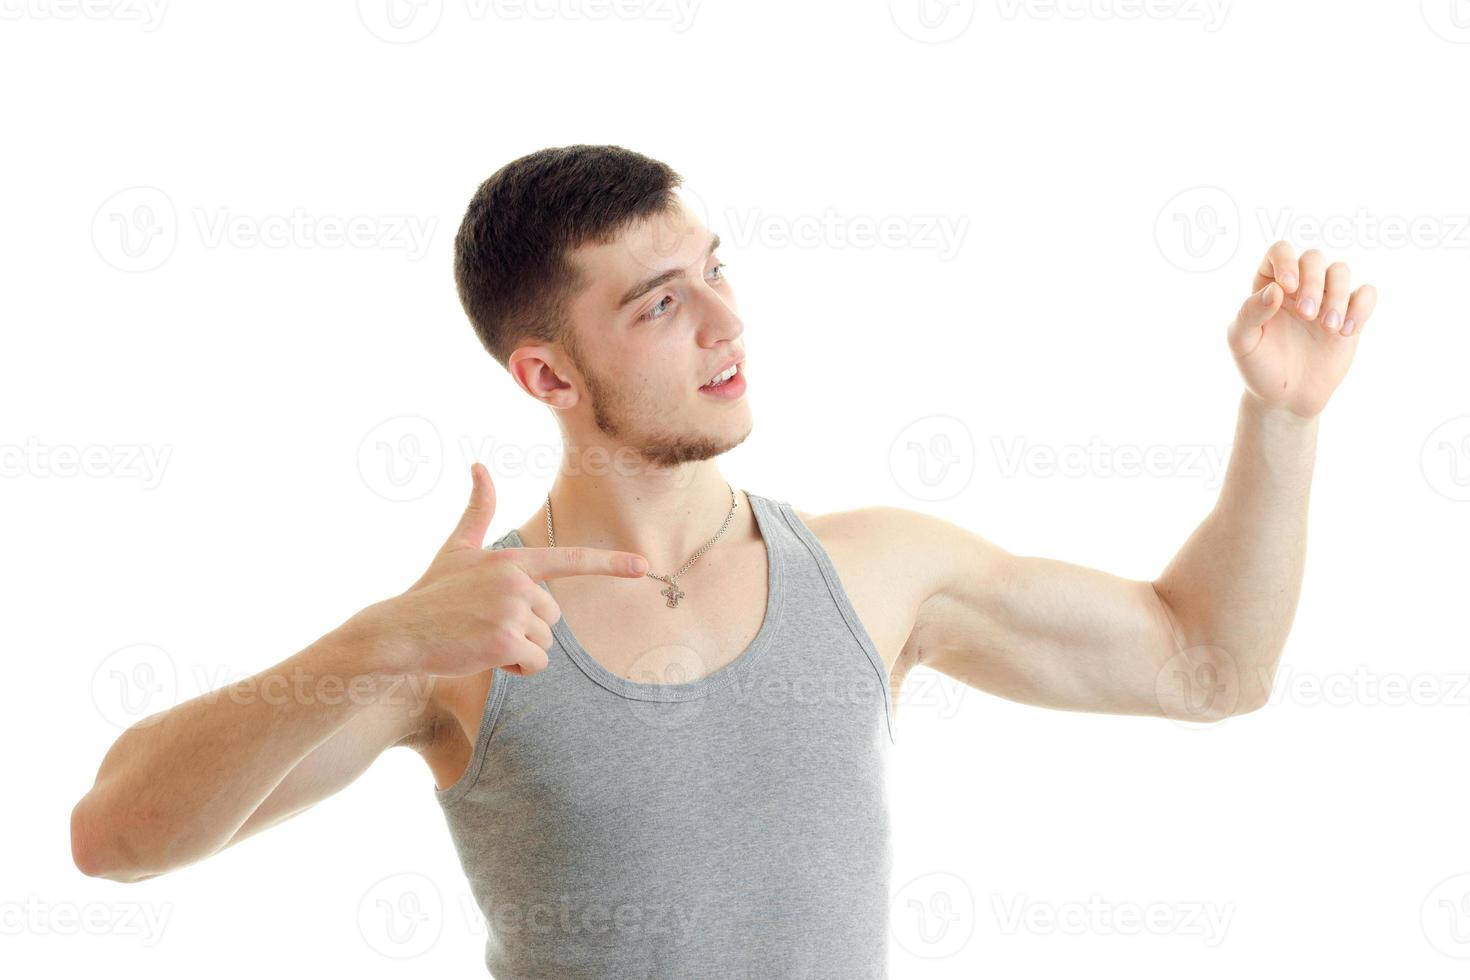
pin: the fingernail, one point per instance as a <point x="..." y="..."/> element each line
<point x="1288" y="282"/>
<point x="1348" y="328"/>
<point x="1332" y="319"/>
<point x="1266" y="294"/>
<point x="637" y="565"/>
<point x="1308" y="307"/>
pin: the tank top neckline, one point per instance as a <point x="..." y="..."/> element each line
<point x="767" y="523"/>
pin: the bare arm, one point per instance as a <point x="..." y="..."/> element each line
<point x="190" y="781"/>
<point x="1037" y="630"/>
<point x="1234" y="585"/>
<point x="1203" y="640"/>
<point x="1198" y="643"/>
<point x="187" y="782"/>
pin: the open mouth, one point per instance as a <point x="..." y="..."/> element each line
<point x="721" y="380"/>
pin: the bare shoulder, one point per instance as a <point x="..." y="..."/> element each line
<point x="891" y="561"/>
<point x="918" y="551"/>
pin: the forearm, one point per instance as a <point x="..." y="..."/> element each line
<point x="175" y="787"/>
<point x="1234" y="584"/>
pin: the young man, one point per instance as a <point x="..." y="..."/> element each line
<point x="657" y="713"/>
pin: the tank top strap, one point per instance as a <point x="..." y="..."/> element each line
<point x="811" y="575"/>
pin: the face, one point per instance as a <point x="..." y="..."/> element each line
<point x="655" y="323"/>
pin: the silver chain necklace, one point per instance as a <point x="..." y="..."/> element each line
<point x="673" y="593"/>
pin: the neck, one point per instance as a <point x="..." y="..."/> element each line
<point x="662" y="513"/>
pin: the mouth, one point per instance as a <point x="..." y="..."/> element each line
<point x="725" y="377"/>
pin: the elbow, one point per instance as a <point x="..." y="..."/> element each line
<point x="1206" y="684"/>
<point x="1254" y="678"/>
<point x="1254" y="693"/>
<point x="1246" y="691"/>
<point x="97" y="852"/>
<point x="86" y="853"/>
<point x="1246" y="705"/>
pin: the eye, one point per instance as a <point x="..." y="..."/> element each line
<point x="651" y="314"/>
<point x="657" y="310"/>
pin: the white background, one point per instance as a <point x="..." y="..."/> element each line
<point x="1114" y="179"/>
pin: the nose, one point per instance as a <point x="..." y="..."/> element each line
<point x="720" y="322"/>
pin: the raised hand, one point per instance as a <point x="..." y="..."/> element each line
<point x="1295" y="336"/>
<point x="476" y="608"/>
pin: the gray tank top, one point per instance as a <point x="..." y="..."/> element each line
<point x="734" y="825"/>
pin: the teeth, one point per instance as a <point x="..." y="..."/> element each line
<point x="723" y="376"/>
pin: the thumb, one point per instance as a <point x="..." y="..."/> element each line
<point x="475" y="521"/>
<point x="1247" y="330"/>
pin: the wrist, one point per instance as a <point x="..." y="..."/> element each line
<point x="1276" y="414"/>
<point x="363" y="647"/>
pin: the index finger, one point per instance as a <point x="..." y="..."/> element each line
<point x="547" y="563"/>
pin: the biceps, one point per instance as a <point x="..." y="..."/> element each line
<point x="1053" y="634"/>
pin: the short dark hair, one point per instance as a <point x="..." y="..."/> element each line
<point x="511" y="262"/>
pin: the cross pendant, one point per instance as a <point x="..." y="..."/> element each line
<point x="674" y="594"/>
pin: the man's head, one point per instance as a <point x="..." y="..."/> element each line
<point x="588" y="278"/>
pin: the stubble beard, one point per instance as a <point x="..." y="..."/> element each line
<point x="617" y="412"/>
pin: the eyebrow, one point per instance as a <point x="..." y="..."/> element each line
<point x="653" y="282"/>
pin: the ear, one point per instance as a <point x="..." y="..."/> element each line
<point x="545" y="373"/>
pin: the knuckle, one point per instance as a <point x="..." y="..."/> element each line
<point x="522" y="586"/>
